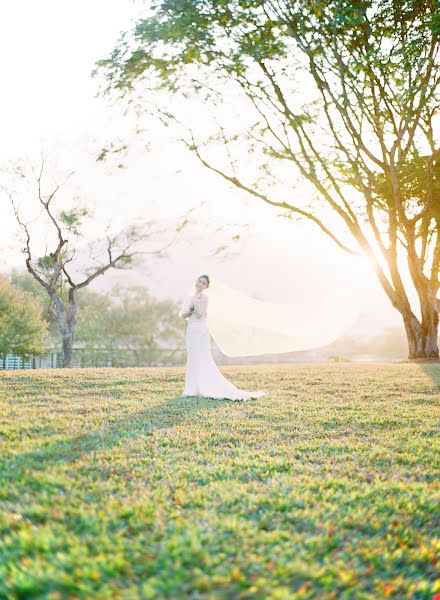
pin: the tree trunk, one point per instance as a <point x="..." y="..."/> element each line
<point x="67" y="326"/>
<point x="430" y="324"/>
<point x="422" y="338"/>
<point x="67" y="347"/>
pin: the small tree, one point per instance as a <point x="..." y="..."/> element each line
<point x="22" y="327"/>
<point x="53" y="271"/>
<point x="24" y="281"/>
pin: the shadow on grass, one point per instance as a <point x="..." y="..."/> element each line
<point x="159" y="416"/>
<point x="432" y="369"/>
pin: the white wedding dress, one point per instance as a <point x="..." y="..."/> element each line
<point x="202" y="376"/>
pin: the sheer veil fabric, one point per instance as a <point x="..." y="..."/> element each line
<point x="245" y="326"/>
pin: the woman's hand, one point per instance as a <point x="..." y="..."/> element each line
<point x="188" y="313"/>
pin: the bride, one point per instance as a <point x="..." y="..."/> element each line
<point x="202" y="377"/>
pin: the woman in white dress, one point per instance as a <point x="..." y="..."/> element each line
<point x="202" y="376"/>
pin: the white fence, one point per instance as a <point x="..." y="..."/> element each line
<point x="10" y="361"/>
<point x="53" y="359"/>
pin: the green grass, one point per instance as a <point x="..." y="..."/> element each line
<point x="113" y="487"/>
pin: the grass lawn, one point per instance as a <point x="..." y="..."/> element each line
<point x="113" y="487"/>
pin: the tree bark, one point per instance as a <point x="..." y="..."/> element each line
<point x="422" y="338"/>
<point x="430" y="323"/>
<point x="67" y="325"/>
<point x="67" y="347"/>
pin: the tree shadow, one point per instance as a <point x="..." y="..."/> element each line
<point x="163" y="415"/>
<point x="432" y="369"/>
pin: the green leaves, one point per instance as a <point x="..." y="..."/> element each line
<point x="72" y="219"/>
<point x="371" y="63"/>
<point x="108" y="327"/>
<point x="22" y="327"/>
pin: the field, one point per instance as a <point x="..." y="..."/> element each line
<point x="113" y="487"/>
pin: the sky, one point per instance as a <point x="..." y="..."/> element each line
<point x="49" y="103"/>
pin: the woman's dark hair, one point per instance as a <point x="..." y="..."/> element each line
<point x="205" y="277"/>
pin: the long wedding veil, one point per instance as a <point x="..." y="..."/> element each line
<point x="245" y="326"/>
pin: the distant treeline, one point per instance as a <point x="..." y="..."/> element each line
<point x="120" y="327"/>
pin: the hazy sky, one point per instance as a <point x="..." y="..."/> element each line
<point x="49" y="48"/>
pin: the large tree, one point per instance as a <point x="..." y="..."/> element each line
<point x="61" y="269"/>
<point x="346" y="93"/>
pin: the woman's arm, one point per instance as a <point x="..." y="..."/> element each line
<point x="187" y="308"/>
<point x="185" y="315"/>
